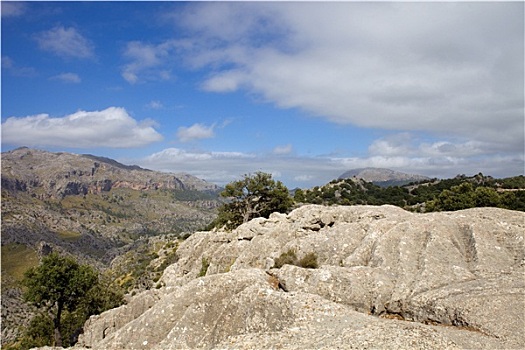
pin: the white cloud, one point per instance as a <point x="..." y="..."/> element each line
<point x="9" y="64"/>
<point x="67" y="78"/>
<point x="65" y="42"/>
<point x="112" y="127"/>
<point x="195" y="132"/>
<point x="303" y="178"/>
<point x="147" y="60"/>
<point x="216" y="167"/>
<point x="286" y="149"/>
<point x="403" y="152"/>
<point x="398" y="144"/>
<point x="12" y="9"/>
<point x="442" y="68"/>
<point x="155" y="105"/>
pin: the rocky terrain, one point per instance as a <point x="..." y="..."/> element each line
<point x="92" y="208"/>
<point x="89" y="201"/>
<point x="382" y="177"/>
<point x="386" y="279"/>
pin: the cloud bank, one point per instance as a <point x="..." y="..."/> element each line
<point x="112" y="127"/>
<point x="444" y="68"/>
<point x="444" y="81"/>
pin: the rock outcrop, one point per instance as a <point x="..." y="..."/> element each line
<point x="387" y="278"/>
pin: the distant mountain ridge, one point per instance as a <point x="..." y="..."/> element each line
<point x="382" y="177"/>
<point x="56" y="175"/>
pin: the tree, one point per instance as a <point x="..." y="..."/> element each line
<point x="59" y="284"/>
<point x="256" y="195"/>
<point x="486" y="197"/>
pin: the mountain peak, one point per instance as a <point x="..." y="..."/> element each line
<point x="382" y="176"/>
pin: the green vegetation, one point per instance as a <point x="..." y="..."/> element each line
<point x="204" y="267"/>
<point x="254" y="196"/>
<point x="143" y="265"/>
<point x="69" y="236"/>
<point x="458" y="193"/>
<point x="16" y="259"/>
<point x="66" y="293"/>
<point x="309" y="261"/>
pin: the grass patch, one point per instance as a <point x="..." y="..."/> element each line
<point x="69" y="236"/>
<point x="17" y="259"/>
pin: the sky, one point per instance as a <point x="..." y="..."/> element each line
<point x="302" y="90"/>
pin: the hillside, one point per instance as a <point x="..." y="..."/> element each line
<point x="94" y="209"/>
<point x="93" y="196"/>
<point x="461" y="192"/>
<point x="385" y="278"/>
<point x="382" y="177"/>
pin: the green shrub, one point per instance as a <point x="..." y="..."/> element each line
<point x="204" y="267"/>
<point x="38" y="333"/>
<point x="288" y="257"/>
<point x="309" y="261"/>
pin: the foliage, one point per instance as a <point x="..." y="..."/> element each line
<point x="39" y="333"/>
<point x="288" y="257"/>
<point x="204" y="267"/>
<point x="256" y="195"/>
<point x="309" y="261"/>
<point x="69" y="293"/>
<point x="461" y="192"/>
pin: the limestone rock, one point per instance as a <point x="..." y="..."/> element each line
<point x="387" y="279"/>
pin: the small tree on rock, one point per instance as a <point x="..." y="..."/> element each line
<point x="256" y="195"/>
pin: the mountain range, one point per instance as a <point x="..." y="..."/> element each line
<point x="383" y="177"/>
<point x="71" y="198"/>
<point x="56" y="175"/>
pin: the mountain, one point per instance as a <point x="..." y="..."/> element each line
<point x="57" y="175"/>
<point x="386" y="278"/>
<point x="67" y="199"/>
<point x="382" y="177"/>
<point x="109" y="215"/>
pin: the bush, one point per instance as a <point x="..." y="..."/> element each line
<point x="39" y="332"/>
<point x="286" y="258"/>
<point x="309" y="261"/>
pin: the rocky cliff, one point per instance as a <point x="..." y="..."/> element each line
<point x="387" y="278"/>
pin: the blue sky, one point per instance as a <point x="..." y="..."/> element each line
<point x="305" y="91"/>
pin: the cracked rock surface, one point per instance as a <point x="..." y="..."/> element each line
<point x="387" y="278"/>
